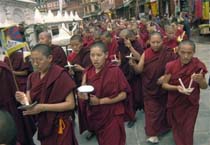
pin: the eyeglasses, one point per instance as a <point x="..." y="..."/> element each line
<point x="36" y="60"/>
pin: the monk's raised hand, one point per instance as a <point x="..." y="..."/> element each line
<point x="38" y="108"/>
<point x="197" y="77"/>
<point x="94" y="100"/>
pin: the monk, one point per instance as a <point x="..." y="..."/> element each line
<point x="129" y="44"/>
<point x="178" y="28"/>
<point x="143" y="33"/>
<point x="59" y="56"/>
<point x="80" y="58"/>
<point x="170" y="40"/>
<point x="111" y="44"/>
<point x="52" y="87"/>
<point x="8" y="103"/>
<point x="152" y="66"/>
<point x="109" y="104"/>
<point x="183" y="100"/>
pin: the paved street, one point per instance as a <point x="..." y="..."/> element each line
<point x="136" y="135"/>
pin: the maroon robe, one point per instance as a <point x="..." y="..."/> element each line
<point x="71" y="56"/>
<point x="141" y="42"/>
<point x="59" y="56"/>
<point x="179" y="32"/>
<point x="133" y="79"/>
<point x="159" y="29"/>
<point x="8" y="103"/>
<point x="144" y="34"/>
<point x="182" y="109"/>
<point x="88" y="41"/>
<point x="18" y="64"/>
<point x="83" y="59"/>
<point x="107" y="121"/>
<point x="154" y="96"/>
<point x="53" y="88"/>
<point x="113" y="48"/>
<point x="170" y="43"/>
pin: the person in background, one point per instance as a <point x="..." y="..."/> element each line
<point x="59" y="56"/>
<point x="111" y="44"/>
<point x="80" y="60"/>
<point x="128" y="44"/>
<point x="170" y="40"/>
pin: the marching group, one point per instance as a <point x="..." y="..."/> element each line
<point x="132" y="65"/>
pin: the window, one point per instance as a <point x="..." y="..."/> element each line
<point x="55" y="30"/>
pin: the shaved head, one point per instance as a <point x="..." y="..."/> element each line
<point x="45" y="38"/>
<point x="77" y="38"/>
<point x="46" y="34"/>
<point x="187" y="42"/>
<point x="156" y="34"/>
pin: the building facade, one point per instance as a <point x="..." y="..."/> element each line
<point x="17" y="11"/>
<point x="67" y="5"/>
<point x="91" y="8"/>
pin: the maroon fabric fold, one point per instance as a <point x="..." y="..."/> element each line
<point x="113" y="48"/>
<point x="83" y="59"/>
<point x="170" y="43"/>
<point x="108" y="83"/>
<point x="154" y="68"/>
<point x="59" y="56"/>
<point x="88" y="41"/>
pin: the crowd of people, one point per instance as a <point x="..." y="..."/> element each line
<point x="132" y="65"/>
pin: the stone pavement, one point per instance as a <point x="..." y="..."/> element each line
<point x="136" y="135"/>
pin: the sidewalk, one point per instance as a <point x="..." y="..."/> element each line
<point x="205" y="39"/>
